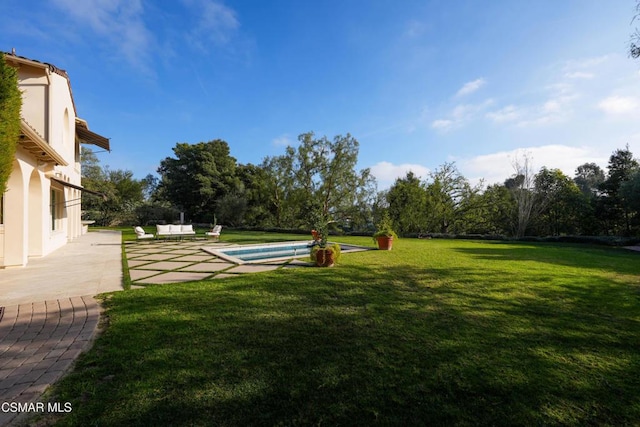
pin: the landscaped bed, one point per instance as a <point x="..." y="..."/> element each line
<point x="434" y="332"/>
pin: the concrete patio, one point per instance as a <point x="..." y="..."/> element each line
<point x="175" y="261"/>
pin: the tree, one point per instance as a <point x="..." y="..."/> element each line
<point x="10" y="105"/>
<point x="231" y="209"/>
<point x="280" y="186"/>
<point x="450" y="198"/>
<point x="522" y="186"/>
<point x="498" y="211"/>
<point x="407" y="201"/>
<point x="559" y="202"/>
<point x="255" y="182"/>
<point x="336" y="180"/>
<point x="319" y="172"/>
<point x="199" y="176"/>
<point x="630" y="192"/>
<point x="615" y="209"/>
<point x="124" y="194"/>
<point x="589" y="177"/>
<point x="634" y="45"/>
<point x="149" y="186"/>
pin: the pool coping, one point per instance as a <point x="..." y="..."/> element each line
<point x="219" y="252"/>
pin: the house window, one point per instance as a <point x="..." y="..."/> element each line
<point x="2" y="209"/>
<point x="56" y="209"/>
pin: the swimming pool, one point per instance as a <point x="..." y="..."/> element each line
<point x="268" y="252"/>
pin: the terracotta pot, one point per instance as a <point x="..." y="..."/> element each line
<point x="324" y="258"/>
<point x="385" y="243"/>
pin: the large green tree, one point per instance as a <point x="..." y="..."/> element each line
<point x="198" y="177"/>
<point x="497" y="211"/>
<point x="407" y="199"/>
<point x="280" y="187"/>
<point x="255" y="193"/>
<point x="589" y="178"/>
<point x="630" y="192"/>
<point x="10" y="105"/>
<point x="318" y="174"/>
<point x="560" y="203"/>
<point x="123" y="194"/>
<point x="615" y="209"/>
<point x="451" y="200"/>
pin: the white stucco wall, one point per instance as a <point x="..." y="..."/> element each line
<point x="27" y="231"/>
<point x="34" y="85"/>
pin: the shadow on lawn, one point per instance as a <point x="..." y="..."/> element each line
<point x="354" y="345"/>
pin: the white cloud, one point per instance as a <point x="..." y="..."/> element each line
<point x="587" y="63"/>
<point x="281" y="141"/>
<point x="460" y="114"/>
<point x="617" y="105"/>
<point x="509" y="113"/>
<point x="442" y="124"/>
<point x="552" y="106"/>
<point x="574" y="85"/>
<point x="216" y="23"/>
<point x="120" y="22"/>
<point x="557" y="108"/>
<point x="579" y="75"/>
<point x="470" y="87"/>
<point x="386" y="172"/>
<point x="497" y="167"/>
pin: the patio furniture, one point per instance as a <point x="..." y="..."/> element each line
<point x="141" y="234"/>
<point x="175" y="230"/>
<point x="214" y="233"/>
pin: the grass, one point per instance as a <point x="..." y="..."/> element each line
<point x="435" y="332"/>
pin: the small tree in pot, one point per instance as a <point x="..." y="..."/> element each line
<point x="384" y="234"/>
<point x="323" y="253"/>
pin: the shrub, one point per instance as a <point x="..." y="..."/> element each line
<point x="10" y="104"/>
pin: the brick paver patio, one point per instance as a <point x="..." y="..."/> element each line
<point x="38" y="344"/>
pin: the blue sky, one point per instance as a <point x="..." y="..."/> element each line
<point x="417" y="83"/>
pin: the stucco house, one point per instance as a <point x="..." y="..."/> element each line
<point x="40" y="211"/>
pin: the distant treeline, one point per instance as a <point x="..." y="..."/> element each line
<point x="204" y="183"/>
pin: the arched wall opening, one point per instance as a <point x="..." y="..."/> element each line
<point x="36" y="215"/>
<point x="15" y="227"/>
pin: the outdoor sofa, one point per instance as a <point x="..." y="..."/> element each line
<point x="172" y="230"/>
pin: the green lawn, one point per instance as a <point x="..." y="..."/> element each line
<point x="435" y="332"/>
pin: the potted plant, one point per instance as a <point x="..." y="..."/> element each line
<point x="323" y="253"/>
<point x="325" y="256"/>
<point x="384" y="234"/>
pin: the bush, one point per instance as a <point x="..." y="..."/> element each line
<point x="10" y="105"/>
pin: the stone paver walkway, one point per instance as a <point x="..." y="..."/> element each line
<point x="174" y="261"/>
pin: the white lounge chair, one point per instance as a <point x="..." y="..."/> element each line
<point x="141" y="234"/>
<point x="214" y="233"/>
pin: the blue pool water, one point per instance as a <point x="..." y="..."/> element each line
<point x="260" y="253"/>
<point x="268" y="252"/>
